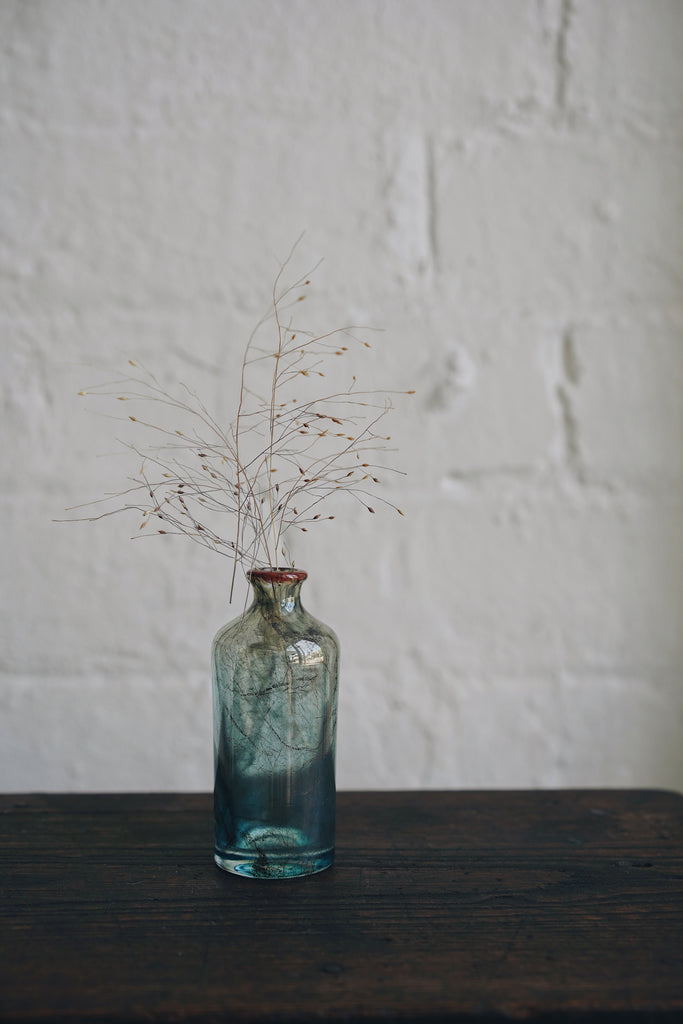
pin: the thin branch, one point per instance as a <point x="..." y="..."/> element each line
<point x="275" y="465"/>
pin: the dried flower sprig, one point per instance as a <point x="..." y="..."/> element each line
<point x="282" y="457"/>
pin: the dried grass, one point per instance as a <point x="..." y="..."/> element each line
<point x="291" y="447"/>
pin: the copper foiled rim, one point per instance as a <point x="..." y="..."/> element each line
<point x="270" y="575"/>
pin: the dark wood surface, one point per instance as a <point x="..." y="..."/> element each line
<point x="479" y="906"/>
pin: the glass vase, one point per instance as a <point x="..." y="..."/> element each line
<point x="275" y="715"/>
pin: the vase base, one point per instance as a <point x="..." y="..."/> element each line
<point x="286" y="864"/>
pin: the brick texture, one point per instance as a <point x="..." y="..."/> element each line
<point x="497" y="184"/>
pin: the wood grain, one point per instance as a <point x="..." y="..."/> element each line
<point x="442" y="906"/>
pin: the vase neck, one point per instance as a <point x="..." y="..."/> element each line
<point x="277" y="590"/>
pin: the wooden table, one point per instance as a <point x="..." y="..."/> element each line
<point x="477" y="906"/>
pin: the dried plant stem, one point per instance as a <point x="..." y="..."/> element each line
<point x="278" y="461"/>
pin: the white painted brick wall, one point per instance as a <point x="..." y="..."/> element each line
<point x="498" y="183"/>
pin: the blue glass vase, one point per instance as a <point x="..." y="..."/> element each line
<point x="275" y="715"/>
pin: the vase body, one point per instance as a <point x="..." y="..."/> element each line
<point x="275" y="671"/>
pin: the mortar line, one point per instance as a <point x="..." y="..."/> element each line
<point x="432" y="230"/>
<point x="567" y="12"/>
